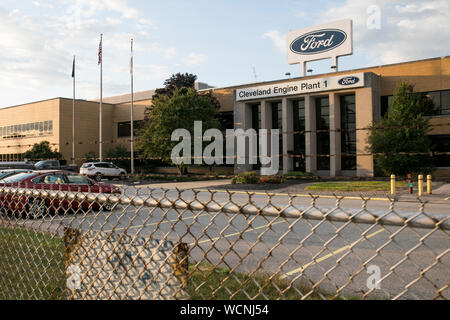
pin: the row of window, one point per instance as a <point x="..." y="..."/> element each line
<point x="441" y="100"/>
<point x="440" y="143"/>
<point x="348" y="126"/>
<point x="25" y="130"/>
<point x="11" y="157"/>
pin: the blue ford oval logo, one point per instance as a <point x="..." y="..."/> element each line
<point x="318" y="41"/>
<point x="347" y="81"/>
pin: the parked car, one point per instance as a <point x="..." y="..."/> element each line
<point x="100" y="170"/>
<point x="17" y="165"/>
<point x="55" y="165"/>
<point x="10" y="172"/>
<point x="36" y="208"/>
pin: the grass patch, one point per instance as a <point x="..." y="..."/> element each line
<point x="355" y="186"/>
<point x="299" y="175"/>
<point x="206" y="282"/>
<point x="32" y="265"/>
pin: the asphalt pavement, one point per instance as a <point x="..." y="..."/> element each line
<point x="335" y="255"/>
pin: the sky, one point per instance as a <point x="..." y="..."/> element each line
<point x="223" y="42"/>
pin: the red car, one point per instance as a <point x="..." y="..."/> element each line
<point x="51" y="180"/>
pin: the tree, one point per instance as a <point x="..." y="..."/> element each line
<point x="42" y="151"/>
<point x="120" y="156"/>
<point x="401" y="136"/>
<point x="175" y="82"/>
<point x="170" y="112"/>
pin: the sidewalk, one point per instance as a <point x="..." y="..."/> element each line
<point x="441" y="193"/>
<point x="443" y="190"/>
<point x="182" y="185"/>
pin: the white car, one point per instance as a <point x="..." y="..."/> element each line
<point x="100" y="170"/>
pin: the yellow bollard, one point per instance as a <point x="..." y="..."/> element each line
<point x="393" y="184"/>
<point x="420" y="186"/>
<point x="429" y="181"/>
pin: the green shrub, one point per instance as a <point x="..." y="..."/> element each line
<point x="271" y="179"/>
<point x="249" y="177"/>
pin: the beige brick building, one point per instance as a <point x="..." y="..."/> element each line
<point x="337" y="111"/>
<point x="333" y="110"/>
<point x="51" y="120"/>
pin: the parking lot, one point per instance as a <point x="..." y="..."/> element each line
<point x="326" y="251"/>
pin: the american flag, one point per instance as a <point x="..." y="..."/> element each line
<point x="100" y="53"/>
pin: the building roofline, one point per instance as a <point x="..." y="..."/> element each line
<point x="33" y="102"/>
<point x="234" y="86"/>
<point x="321" y="75"/>
<point x="51" y="99"/>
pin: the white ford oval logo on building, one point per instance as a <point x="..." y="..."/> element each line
<point x="347" y="81"/>
<point x="318" y="41"/>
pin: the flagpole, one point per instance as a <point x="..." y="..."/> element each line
<point x="132" y="109"/>
<point x="101" y="99"/>
<point x="73" y="113"/>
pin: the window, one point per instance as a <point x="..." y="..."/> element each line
<point x="386" y="102"/>
<point x="256" y="124"/>
<point x="299" y="135"/>
<point x="18" y="177"/>
<point x="323" y="133"/>
<point x="256" y="116"/>
<point x="277" y="123"/>
<point x="441" y="100"/>
<point x="124" y="128"/>
<point x="441" y="143"/>
<point x="445" y="102"/>
<point x="76" y="179"/>
<point x="227" y="120"/>
<point x="348" y="132"/>
<point x="26" y="130"/>
<point x="54" y="179"/>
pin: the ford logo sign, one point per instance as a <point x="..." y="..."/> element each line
<point x="318" y="41"/>
<point x="347" y="81"/>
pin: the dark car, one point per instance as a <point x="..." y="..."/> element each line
<point x="55" y="165"/>
<point x="17" y="165"/>
<point x="52" y="180"/>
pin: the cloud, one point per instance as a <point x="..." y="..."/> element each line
<point x="42" y="5"/>
<point x="89" y="8"/>
<point x="278" y="39"/>
<point x="195" y="59"/>
<point x="409" y="30"/>
<point x="36" y="51"/>
<point x="27" y="54"/>
<point x="170" y="52"/>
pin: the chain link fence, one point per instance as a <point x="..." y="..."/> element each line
<point x="141" y="243"/>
